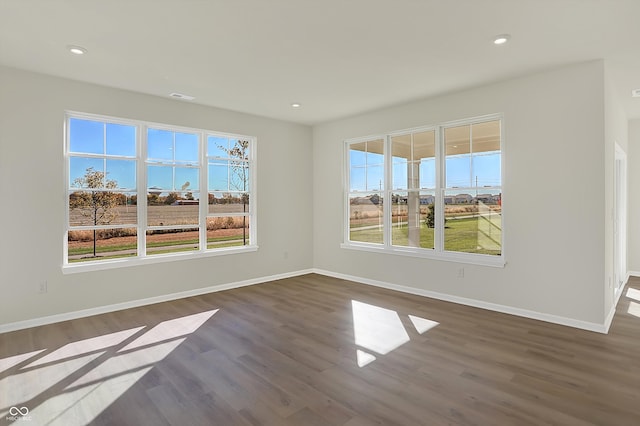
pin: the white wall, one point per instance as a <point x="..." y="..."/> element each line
<point x="633" y="224"/>
<point x="553" y="195"/>
<point x="33" y="202"/>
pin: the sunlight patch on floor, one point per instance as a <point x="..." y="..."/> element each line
<point x="422" y="325"/>
<point x="7" y="363"/>
<point x="377" y="329"/>
<point x="380" y="330"/>
<point x="634" y="309"/>
<point x="633" y="293"/>
<point x="363" y="358"/>
<point x="86" y="346"/>
<point x="89" y="375"/>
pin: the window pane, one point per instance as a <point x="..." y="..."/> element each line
<point x="219" y="176"/>
<point x="424" y="154"/>
<point x="375" y="165"/>
<point x="187" y="148"/>
<point x="171" y="208"/>
<point x="357" y="154"/>
<point x="458" y="158"/>
<point x="225" y="202"/>
<point x="89" y="208"/>
<point x="413" y="219"/>
<point x="473" y="223"/>
<point x="486" y="154"/>
<point x="109" y="244"/>
<point x="486" y="136"/>
<point x="173" y="178"/>
<point x="486" y="169"/>
<point x="80" y="169"/>
<point x="217" y="146"/>
<point x="121" y="140"/>
<point x="375" y="178"/>
<point x="230" y="231"/>
<point x="365" y="218"/>
<point x="427" y="173"/>
<point x="357" y="178"/>
<point x="160" y="177"/>
<point x="122" y="173"/>
<point x="159" y="144"/>
<point x="86" y="136"/>
<point x="367" y="165"/>
<point x="238" y="176"/>
<point x="401" y="148"/>
<point x="187" y="178"/>
<point x="409" y="153"/>
<point x="163" y="241"/>
<point x="458" y="171"/>
<point x="239" y="149"/>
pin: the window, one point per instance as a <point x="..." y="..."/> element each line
<point x="196" y="184"/>
<point x="433" y="192"/>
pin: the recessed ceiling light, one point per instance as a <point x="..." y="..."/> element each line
<point x="501" y="39"/>
<point x="296" y="105"/>
<point x="635" y="93"/>
<point x="77" y="50"/>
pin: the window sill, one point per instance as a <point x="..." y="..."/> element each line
<point x="73" y="268"/>
<point x="468" y="258"/>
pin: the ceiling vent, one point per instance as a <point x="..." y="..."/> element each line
<point x="182" y="96"/>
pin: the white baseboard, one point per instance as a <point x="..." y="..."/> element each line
<point x="612" y="311"/>
<point x="19" y="325"/>
<point x="584" y="325"/>
<point x="600" y="328"/>
<point x="633" y="274"/>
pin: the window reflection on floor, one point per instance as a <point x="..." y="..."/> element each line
<point x="89" y="375"/>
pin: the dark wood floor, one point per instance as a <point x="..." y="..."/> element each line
<point x="315" y="350"/>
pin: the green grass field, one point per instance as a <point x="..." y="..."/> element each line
<point x="122" y="250"/>
<point x="468" y="235"/>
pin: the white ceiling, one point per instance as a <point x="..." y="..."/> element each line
<point x="335" y="57"/>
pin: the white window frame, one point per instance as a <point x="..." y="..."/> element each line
<point x="438" y="253"/>
<point x="141" y="257"/>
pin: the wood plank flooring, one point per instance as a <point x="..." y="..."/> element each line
<point x="314" y="350"/>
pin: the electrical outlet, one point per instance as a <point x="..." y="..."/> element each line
<point x="286" y="254"/>
<point x="461" y="273"/>
<point x="42" y="287"/>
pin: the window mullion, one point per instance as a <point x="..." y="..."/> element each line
<point x="386" y="195"/>
<point x="142" y="190"/>
<point x="440" y="185"/>
<point x="204" y="190"/>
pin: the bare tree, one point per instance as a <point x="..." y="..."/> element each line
<point x="94" y="200"/>
<point x="239" y="176"/>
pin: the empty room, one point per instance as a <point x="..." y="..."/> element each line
<point x="320" y="213"/>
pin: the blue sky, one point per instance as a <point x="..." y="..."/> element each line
<point x="461" y="171"/>
<point x="176" y="155"/>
